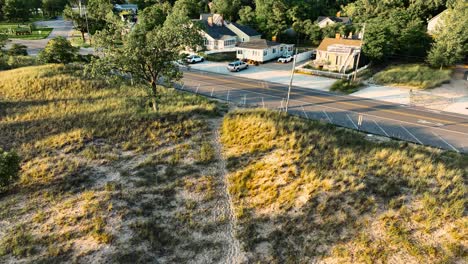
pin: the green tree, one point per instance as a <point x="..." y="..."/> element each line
<point x="53" y="7"/>
<point x="147" y="54"/>
<point x="17" y="10"/>
<point x="247" y="16"/>
<point x="58" y="50"/>
<point x="451" y="39"/>
<point x="80" y="23"/>
<point x="9" y="167"/>
<point x="227" y="8"/>
<point x="154" y="15"/>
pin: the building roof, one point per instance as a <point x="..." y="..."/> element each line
<point x="246" y="29"/>
<point x="258" y="44"/>
<point x="438" y="16"/>
<point x="217" y="32"/>
<point x="326" y="42"/>
<point x="343" y="20"/>
<point x="126" y="7"/>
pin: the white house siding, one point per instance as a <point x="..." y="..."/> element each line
<point x="263" y="55"/>
<point x="326" y="22"/>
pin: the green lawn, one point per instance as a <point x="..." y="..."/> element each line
<point x="10" y="28"/>
<point x="413" y="75"/>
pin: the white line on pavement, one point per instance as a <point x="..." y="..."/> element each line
<point x="352" y="122"/>
<point x="411" y="134"/>
<point x="380" y="128"/>
<point x="448" y="144"/>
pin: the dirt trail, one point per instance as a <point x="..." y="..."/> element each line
<point x="234" y="252"/>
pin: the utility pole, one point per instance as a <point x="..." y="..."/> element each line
<point x="291" y="80"/>
<point x="79" y="5"/>
<point x="359" y="55"/>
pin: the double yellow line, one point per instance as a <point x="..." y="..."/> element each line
<point x="401" y="113"/>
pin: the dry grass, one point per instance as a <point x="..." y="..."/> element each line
<point x="103" y="179"/>
<point x="306" y="191"/>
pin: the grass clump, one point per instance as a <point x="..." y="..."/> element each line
<point x="9" y="168"/>
<point x="413" y="75"/>
<point x="305" y="191"/>
<point x="346" y="86"/>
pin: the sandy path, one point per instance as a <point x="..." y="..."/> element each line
<point x="234" y="252"/>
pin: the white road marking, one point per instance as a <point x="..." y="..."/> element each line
<point x="352" y="122"/>
<point x="303" y="110"/>
<point x="329" y="119"/>
<point x="448" y="144"/>
<point x="411" y="134"/>
<point x="380" y="128"/>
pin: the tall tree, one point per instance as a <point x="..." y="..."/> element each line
<point x="53" y="7"/>
<point x="228" y="8"/>
<point x="451" y="38"/>
<point x="80" y="22"/>
<point x="17" y="10"/>
<point x="147" y="54"/>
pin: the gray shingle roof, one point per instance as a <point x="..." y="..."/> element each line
<point x="258" y="44"/>
<point x="247" y="30"/>
<point x="217" y="32"/>
<point x="344" y="20"/>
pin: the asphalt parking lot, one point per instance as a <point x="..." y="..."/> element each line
<point x="269" y="72"/>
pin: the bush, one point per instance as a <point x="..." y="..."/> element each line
<point x="345" y="86"/>
<point x="21" y="61"/>
<point x="413" y="75"/>
<point x="222" y="56"/>
<point x="18" y="50"/>
<point x="58" y="50"/>
<point x="9" y="167"/>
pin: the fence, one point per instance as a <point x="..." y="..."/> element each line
<point x="330" y="74"/>
<point x="424" y="133"/>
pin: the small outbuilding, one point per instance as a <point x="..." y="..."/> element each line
<point x="261" y="50"/>
<point x="324" y="21"/>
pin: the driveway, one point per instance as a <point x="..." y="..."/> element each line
<point x="61" y="28"/>
<point x="269" y="72"/>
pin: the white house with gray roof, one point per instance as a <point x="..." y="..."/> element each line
<point x="262" y="50"/>
<point x="220" y="34"/>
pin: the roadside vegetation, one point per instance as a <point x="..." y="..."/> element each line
<point x="102" y="177"/>
<point x="413" y="75"/>
<point x="346" y="86"/>
<point x="222" y="56"/>
<point x="28" y="31"/>
<point x="305" y="191"/>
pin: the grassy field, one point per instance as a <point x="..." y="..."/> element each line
<point x="413" y="75"/>
<point x="38" y="33"/>
<point x="104" y="179"/>
<point x="347" y="87"/>
<point x="305" y="191"/>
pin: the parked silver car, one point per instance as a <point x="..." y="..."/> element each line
<point x="237" y="66"/>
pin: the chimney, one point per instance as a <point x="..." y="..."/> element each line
<point x="210" y="21"/>
<point x="338" y="14"/>
<point x="337" y="35"/>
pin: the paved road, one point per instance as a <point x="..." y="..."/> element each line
<point x="61" y="28"/>
<point x="418" y="125"/>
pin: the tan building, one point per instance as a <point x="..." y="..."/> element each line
<point x="436" y="22"/>
<point x="338" y="54"/>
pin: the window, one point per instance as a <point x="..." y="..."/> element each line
<point x="239" y="52"/>
<point x="265" y="52"/>
<point x="229" y="42"/>
<point x="281" y="49"/>
<point x="290" y="48"/>
<point x="274" y="50"/>
<point x="243" y="39"/>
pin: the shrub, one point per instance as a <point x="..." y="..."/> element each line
<point x="413" y="75"/>
<point x="58" y="50"/>
<point x="346" y="86"/>
<point x="18" y="50"/>
<point x="21" y="61"/>
<point x="9" y="167"/>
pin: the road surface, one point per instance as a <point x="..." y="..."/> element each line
<point x="419" y="125"/>
<point x="60" y="28"/>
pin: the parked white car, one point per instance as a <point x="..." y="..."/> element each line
<point x="285" y="59"/>
<point x="237" y="66"/>
<point x="195" y="59"/>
